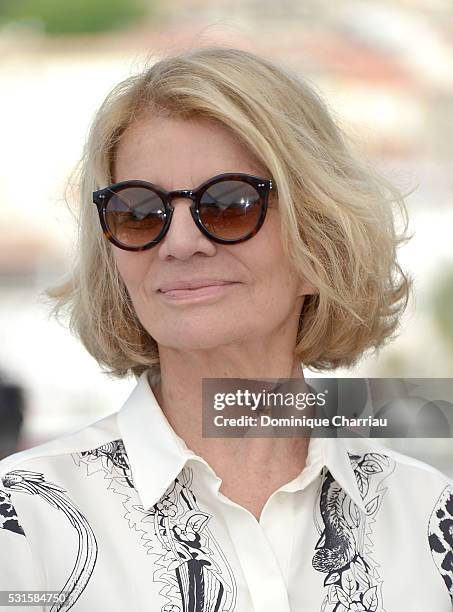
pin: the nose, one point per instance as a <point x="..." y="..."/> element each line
<point x="183" y="238"/>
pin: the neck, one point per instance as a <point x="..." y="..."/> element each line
<point x="179" y="393"/>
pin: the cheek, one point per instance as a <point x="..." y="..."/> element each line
<point x="132" y="268"/>
<point x="268" y="255"/>
<point x="279" y="282"/>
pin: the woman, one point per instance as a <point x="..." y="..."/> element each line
<point x="226" y="231"/>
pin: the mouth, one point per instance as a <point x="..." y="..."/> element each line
<point x="198" y="293"/>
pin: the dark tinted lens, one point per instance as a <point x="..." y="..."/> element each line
<point x="135" y="215"/>
<point x="230" y="209"/>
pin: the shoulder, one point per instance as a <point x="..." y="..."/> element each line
<point x="59" y="449"/>
<point x="408" y="482"/>
<point x="412" y="494"/>
<point x="415" y="504"/>
<point x="54" y="474"/>
<point x="37" y="483"/>
<point x="403" y="467"/>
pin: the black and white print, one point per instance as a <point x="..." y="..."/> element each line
<point x="344" y="549"/>
<point x="8" y="514"/>
<point x="440" y="537"/>
<point x="191" y="566"/>
<point x="34" y="483"/>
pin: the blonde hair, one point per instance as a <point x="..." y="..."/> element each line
<point x="338" y="222"/>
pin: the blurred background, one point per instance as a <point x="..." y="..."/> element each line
<point x="385" y="69"/>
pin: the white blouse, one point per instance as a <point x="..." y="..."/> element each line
<point x="121" y="515"/>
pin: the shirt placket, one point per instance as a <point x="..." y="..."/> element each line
<point x="255" y="545"/>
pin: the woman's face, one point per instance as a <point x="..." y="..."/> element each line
<point x="264" y="296"/>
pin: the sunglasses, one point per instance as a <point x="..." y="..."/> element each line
<point x="228" y="208"/>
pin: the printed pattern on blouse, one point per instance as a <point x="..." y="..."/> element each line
<point x="440" y="536"/>
<point x="195" y="574"/>
<point x="344" y="549"/>
<point x="34" y="483"/>
<point x="8" y="514"/>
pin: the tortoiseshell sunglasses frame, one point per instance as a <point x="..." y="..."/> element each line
<point x="101" y="198"/>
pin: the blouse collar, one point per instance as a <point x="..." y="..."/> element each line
<point x="157" y="454"/>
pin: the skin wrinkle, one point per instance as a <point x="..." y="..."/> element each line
<point x="249" y="331"/>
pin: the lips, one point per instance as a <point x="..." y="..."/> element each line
<point x="201" y="293"/>
<point x="192" y="285"/>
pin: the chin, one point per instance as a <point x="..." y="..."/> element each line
<point x="196" y="339"/>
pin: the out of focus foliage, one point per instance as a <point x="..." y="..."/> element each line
<point x="442" y="301"/>
<point x="74" y="16"/>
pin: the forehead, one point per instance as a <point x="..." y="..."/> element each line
<point x="180" y="153"/>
